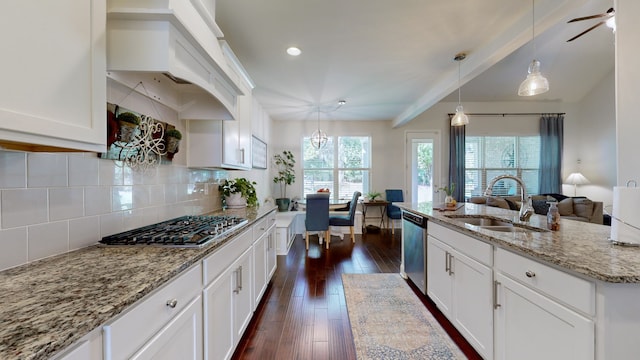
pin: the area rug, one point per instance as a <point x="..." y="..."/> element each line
<point x="388" y="321"/>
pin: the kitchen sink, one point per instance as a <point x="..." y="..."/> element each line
<point x="494" y="224"/>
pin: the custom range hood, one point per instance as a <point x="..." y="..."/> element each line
<point x="172" y="47"/>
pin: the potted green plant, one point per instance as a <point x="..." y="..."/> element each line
<point x="239" y="193"/>
<point x="449" y="200"/>
<point x="128" y="122"/>
<point x="173" y="137"/>
<point x="284" y="162"/>
<point x="373" y="195"/>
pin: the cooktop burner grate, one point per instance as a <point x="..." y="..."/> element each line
<point x="185" y="231"/>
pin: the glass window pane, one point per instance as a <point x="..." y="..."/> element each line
<point x="352" y="180"/>
<point x="504" y="187"/>
<point x="500" y="152"/>
<point x="530" y="178"/>
<point x="473" y="152"/>
<point x="317" y="159"/>
<point x="353" y="152"/>
<point x="317" y="179"/>
<point x="473" y="183"/>
<point x="529" y="152"/>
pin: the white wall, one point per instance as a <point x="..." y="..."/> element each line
<point x="388" y="143"/>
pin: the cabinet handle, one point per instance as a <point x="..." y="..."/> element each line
<point x="446" y="261"/>
<point x="496" y="305"/>
<point x="237" y="289"/>
<point x="172" y="303"/>
<point x="530" y="274"/>
<point x="242" y="156"/>
<point x="451" y="264"/>
<point x="240" y="277"/>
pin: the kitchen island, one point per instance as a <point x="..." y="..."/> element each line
<point x="50" y="304"/>
<point x="573" y="280"/>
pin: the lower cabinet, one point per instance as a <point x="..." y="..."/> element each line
<point x="541" y="312"/>
<point x="227" y="308"/>
<point x="264" y="255"/>
<point x="181" y="338"/>
<point x="461" y="288"/>
<point x="171" y="312"/>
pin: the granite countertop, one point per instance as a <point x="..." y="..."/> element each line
<point x="579" y="247"/>
<point x="49" y="304"/>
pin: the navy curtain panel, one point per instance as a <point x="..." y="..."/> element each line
<point x="551" y="135"/>
<point x="456" y="160"/>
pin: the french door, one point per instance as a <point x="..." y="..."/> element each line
<point x="422" y="149"/>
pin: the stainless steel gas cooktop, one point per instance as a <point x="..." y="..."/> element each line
<point x="185" y="231"/>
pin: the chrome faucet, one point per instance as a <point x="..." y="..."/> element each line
<point x="526" y="209"/>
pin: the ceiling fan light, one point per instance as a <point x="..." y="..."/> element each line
<point x="535" y="83"/>
<point x="460" y="118"/>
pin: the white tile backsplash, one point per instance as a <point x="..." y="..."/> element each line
<point x="66" y="203"/>
<point x="51" y="203"/>
<point x="14" y="247"/>
<point x="13" y="169"/>
<point x="22" y="207"/>
<point x="45" y="170"/>
<point x="48" y="239"/>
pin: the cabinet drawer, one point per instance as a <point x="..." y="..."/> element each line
<point x="467" y="245"/>
<point x="217" y="262"/>
<point x="123" y="336"/>
<point x="260" y="227"/>
<point x="572" y="290"/>
<point x="271" y="219"/>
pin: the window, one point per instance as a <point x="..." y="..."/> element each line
<point x="489" y="156"/>
<point x="342" y="166"/>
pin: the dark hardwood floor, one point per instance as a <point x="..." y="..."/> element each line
<point x="303" y="314"/>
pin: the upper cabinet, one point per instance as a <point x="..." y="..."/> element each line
<point x="53" y="96"/>
<point x="223" y="143"/>
<point x="177" y="42"/>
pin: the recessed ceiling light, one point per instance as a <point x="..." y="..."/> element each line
<point x="294" y="51"/>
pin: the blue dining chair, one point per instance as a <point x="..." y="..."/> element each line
<point x="393" y="212"/>
<point x="349" y="219"/>
<point x="317" y="216"/>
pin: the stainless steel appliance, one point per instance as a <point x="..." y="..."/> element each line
<point x="185" y="231"/>
<point x="414" y="242"/>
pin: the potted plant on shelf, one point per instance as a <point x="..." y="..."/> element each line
<point x="173" y="137"/>
<point x="449" y="201"/>
<point x="239" y="193"/>
<point x="128" y="122"/>
<point x="286" y="176"/>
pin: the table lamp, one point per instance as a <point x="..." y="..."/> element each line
<point x="576" y="179"/>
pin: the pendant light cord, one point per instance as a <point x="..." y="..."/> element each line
<point x="459" y="101"/>
<point x="533" y="27"/>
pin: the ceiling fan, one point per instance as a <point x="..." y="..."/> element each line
<point x="608" y="18"/>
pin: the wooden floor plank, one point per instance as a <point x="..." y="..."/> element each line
<point x="303" y="314"/>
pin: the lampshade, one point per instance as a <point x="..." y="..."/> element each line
<point x="535" y="83"/>
<point x="460" y="118"/>
<point x="576" y="178"/>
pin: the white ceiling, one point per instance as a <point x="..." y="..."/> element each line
<point x="393" y="59"/>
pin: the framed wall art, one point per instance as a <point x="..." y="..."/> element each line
<point x="258" y="153"/>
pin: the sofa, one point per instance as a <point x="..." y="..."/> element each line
<point x="572" y="208"/>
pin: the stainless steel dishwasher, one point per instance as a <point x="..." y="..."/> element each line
<point x="414" y="242"/>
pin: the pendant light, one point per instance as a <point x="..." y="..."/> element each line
<point x="535" y="83"/>
<point x="318" y="138"/>
<point x="460" y="118"/>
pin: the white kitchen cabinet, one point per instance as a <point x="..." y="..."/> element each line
<point x="61" y="104"/>
<point x="541" y="312"/>
<point x="263" y="255"/>
<point x="227" y="304"/>
<point x="460" y="285"/>
<point x="181" y="338"/>
<point x="168" y="310"/>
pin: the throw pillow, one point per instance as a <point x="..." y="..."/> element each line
<point x="583" y="207"/>
<point x="565" y="207"/>
<point x="478" y="200"/>
<point x="497" y="202"/>
<point x="540" y="207"/>
<point x="512" y="205"/>
<point x="558" y="197"/>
